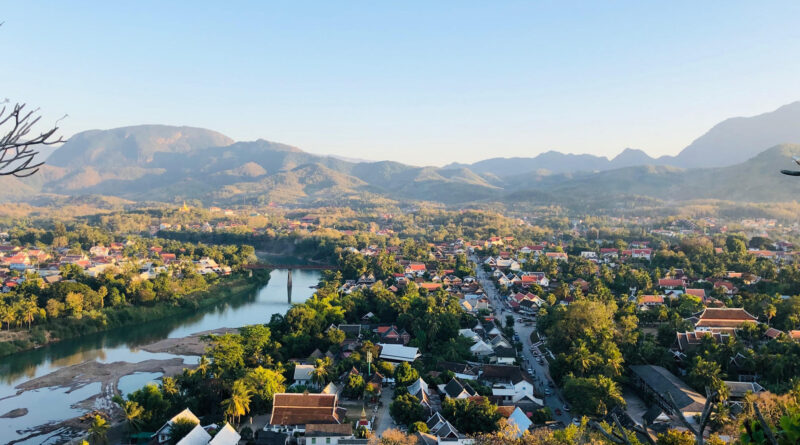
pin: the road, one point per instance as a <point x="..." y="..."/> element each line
<point x="528" y="360"/>
<point x="383" y="421"/>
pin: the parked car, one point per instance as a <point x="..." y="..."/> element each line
<point x="558" y="412"/>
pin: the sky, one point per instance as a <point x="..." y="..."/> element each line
<point x="424" y="83"/>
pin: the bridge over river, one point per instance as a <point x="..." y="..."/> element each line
<point x="289" y="268"/>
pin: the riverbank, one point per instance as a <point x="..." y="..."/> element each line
<point x="19" y="340"/>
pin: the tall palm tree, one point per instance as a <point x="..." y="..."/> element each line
<point x="29" y="312"/>
<point x="98" y="431"/>
<point x="770" y="312"/>
<point x="133" y="415"/>
<point x="320" y="373"/>
<point x="239" y="402"/>
<point x="7" y="315"/>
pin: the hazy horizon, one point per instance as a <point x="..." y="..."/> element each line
<point x="460" y="82"/>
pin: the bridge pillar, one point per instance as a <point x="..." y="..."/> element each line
<point x="289" y="286"/>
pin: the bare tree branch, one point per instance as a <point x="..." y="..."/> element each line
<point x="17" y="150"/>
<point x="764" y="425"/>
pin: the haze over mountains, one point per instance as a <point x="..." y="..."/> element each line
<point x="736" y="159"/>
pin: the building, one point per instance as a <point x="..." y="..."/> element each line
<point x="457" y="390"/>
<point x="327" y="433"/>
<point x="656" y="382"/>
<point x="724" y="319"/>
<point x="303" y="375"/>
<point x="398" y="353"/>
<point x="291" y="412"/>
<point x="199" y="435"/>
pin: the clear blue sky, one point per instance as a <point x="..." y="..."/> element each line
<point x="417" y="82"/>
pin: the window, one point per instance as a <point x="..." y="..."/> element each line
<point x="313" y="440"/>
<point x="327" y="440"/>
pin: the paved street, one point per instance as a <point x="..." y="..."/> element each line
<point x="383" y="421"/>
<point x="541" y="372"/>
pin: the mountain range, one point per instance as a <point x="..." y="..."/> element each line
<point x="730" y="142"/>
<point x="736" y="159"/>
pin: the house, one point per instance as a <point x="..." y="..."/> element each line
<point x="454" y="389"/>
<point x="504" y="355"/>
<point x="738" y="390"/>
<point x="538" y="278"/>
<point x="291" y="412"/>
<point x="509" y="384"/>
<point x="327" y="433"/>
<point x="727" y="286"/>
<point x="589" y="254"/>
<point x="391" y="334"/>
<point x="558" y="256"/>
<point x="440" y="432"/>
<point x="351" y="330"/>
<point x="609" y="252"/>
<point x="723" y="319"/>
<point x="303" y="375"/>
<point x="481" y="349"/>
<point x="645" y="254"/>
<point x="227" y="435"/>
<point x="651" y="300"/>
<point x="687" y="341"/>
<point x="398" y="353"/>
<point x="656" y="382"/>
<point x="422" y="392"/>
<point x="199" y="435"/>
<point x="416" y="269"/>
<point x="671" y="283"/>
<point x="519" y="422"/>
<point x="696" y="292"/>
<point x="162" y="435"/>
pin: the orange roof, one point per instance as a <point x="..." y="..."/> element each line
<point x="651" y="299"/>
<point x="430" y="286"/>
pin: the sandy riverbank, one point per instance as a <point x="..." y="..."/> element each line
<point x="194" y="344"/>
<point x="108" y="375"/>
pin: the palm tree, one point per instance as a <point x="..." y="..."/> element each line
<point x="582" y="358"/>
<point x="7" y="315"/>
<point x="770" y="312"/>
<point x="168" y="386"/>
<point x="239" y="402"/>
<point x="29" y="312"/>
<point x="202" y="366"/>
<point x="98" y="431"/>
<point x="133" y="415"/>
<point x="320" y="373"/>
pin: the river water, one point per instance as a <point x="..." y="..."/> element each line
<point x="54" y="404"/>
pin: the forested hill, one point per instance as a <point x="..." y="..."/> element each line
<point x="169" y="164"/>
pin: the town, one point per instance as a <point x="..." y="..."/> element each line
<point x="547" y="331"/>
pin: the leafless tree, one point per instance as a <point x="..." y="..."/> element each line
<point x="18" y="150"/>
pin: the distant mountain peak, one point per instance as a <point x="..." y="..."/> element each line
<point x="738" y="139"/>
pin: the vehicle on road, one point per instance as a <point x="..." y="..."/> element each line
<point x="558" y="412"/>
<point x="566" y="408"/>
<point x="576" y="422"/>
<point x="548" y="392"/>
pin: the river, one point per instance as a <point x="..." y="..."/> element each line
<point x="53" y="404"/>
